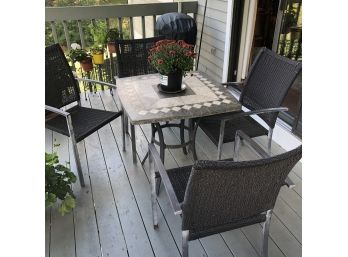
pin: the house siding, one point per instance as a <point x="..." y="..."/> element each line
<point x="213" y="39"/>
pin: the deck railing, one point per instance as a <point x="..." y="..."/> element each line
<point x="112" y="15"/>
<point x="66" y="25"/>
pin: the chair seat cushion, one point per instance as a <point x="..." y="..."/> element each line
<point x="85" y="121"/>
<point x="211" y="127"/>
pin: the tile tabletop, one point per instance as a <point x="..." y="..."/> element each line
<point x="144" y="103"/>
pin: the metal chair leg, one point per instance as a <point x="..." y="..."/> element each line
<point x="221" y="139"/>
<point x="269" y="145"/>
<point x="237" y="142"/>
<point x="185" y="240"/>
<point x="76" y="152"/>
<point x="265" y="234"/>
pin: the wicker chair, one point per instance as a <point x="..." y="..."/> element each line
<point x="217" y="196"/>
<point x="132" y="56"/>
<point x="265" y="88"/>
<point x="132" y="60"/>
<point x="62" y="90"/>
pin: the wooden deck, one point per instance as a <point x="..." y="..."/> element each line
<point x="113" y="212"/>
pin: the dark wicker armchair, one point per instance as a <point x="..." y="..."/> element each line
<point x="265" y="88"/>
<point x="132" y="60"/>
<point x="62" y="89"/>
<point x="217" y="196"/>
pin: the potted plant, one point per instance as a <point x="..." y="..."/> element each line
<point x="77" y="54"/>
<point x="289" y="20"/>
<point x="58" y="182"/>
<point x="110" y="38"/>
<point x="172" y="59"/>
<point x="98" y="54"/>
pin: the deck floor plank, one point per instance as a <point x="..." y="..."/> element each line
<point x="113" y="214"/>
<point x="110" y="232"/>
<point x="173" y="222"/>
<point x="86" y="229"/>
<point x="62" y="227"/>
<point x="161" y="239"/>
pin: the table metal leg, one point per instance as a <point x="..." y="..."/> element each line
<point x="193" y="142"/>
<point x="153" y="132"/>
<point x="134" y="150"/>
<point x="191" y="127"/>
<point x="182" y="135"/>
<point x="162" y="149"/>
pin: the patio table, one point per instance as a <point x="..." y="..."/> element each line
<point x="144" y="103"/>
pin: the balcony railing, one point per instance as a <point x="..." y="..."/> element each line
<point x="135" y="17"/>
<point x="66" y="25"/>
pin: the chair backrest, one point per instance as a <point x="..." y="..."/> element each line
<point x="132" y="56"/>
<point x="60" y="84"/>
<point x="268" y="82"/>
<point x="222" y="192"/>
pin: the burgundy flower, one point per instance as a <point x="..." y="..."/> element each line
<point x="159" y="61"/>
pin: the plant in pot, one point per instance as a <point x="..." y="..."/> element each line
<point x="111" y="36"/>
<point x="58" y="182"/>
<point x="97" y="54"/>
<point x="172" y="59"/>
<point x="77" y="54"/>
<point x="289" y="20"/>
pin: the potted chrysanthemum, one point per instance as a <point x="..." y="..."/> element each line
<point x="172" y="59"/>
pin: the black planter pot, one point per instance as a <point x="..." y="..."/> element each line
<point x="171" y="83"/>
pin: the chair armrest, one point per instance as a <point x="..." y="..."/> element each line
<point x="255" y="112"/>
<point x="56" y="110"/>
<point x="258" y="149"/>
<point x="96" y="81"/>
<point x="153" y="153"/>
<point x="236" y="85"/>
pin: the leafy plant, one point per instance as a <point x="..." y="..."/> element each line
<point x="289" y="19"/>
<point x="97" y="50"/>
<point x="98" y="30"/>
<point x="58" y="182"/>
<point x="77" y="54"/>
<point x="170" y="56"/>
<point x="112" y="35"/>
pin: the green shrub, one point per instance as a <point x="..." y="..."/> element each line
<point x="58" y="182"/>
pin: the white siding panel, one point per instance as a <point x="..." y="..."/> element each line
<point x="213" y="23"/>
<point x="214" y="14"/>
<point x="213" y="39"/>
<point x="213" y="33"/>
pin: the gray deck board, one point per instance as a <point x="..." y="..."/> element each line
<point x="113" y="212"/>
